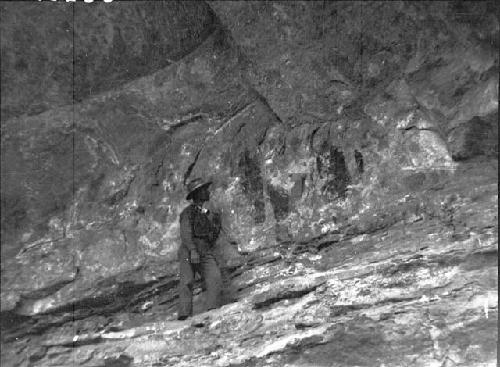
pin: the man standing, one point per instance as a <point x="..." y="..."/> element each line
<point x="199" y="231"/>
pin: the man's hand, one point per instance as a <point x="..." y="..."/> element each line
<point x="194" y="257"/>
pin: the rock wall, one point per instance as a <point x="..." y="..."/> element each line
<point x="106" y="177"/>
<point x="371" y="106"/>
<point x="420" y="292"/>
<point x="53" y="54"/>
<point x="317" y="121"/>
<point x="109" y="171"/>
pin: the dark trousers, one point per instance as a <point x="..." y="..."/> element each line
<point x="211" y="277"/>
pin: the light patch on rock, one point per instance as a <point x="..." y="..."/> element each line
<point x="129" y="207"/>
<point x="111" y="154"/>
<point x="26" y="236"/>
<point x="41" y="306"/>
<point x="149" y="245"/>
<point x="202" y="69"/>
<point x="484" y="302"/>
<point x="480" y="101"/>
<point x="92" y="146"/>
<point x="290" y="340"/>
<point x="405" y="122"/>
<point x="433" y="153"/>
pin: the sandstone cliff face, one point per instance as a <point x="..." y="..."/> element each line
<point x="354" y="152"/>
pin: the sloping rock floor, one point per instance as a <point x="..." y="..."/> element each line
<point x="421" y="292"/>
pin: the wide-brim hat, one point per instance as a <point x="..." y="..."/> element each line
<point x="196" y="184"/>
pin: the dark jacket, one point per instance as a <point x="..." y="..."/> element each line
<point x="199" y="231"/>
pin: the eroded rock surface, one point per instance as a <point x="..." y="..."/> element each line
<point x="353" y="149"/>
<point x="54" y="53"/>
<point x="421" y="292"/>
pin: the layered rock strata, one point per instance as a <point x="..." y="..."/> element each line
<point x="336" y="133"/>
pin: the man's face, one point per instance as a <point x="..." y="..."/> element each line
<point x="204" y="194"/>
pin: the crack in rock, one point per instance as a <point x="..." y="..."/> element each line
<point x="289" y="289"/>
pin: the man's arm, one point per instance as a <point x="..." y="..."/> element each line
<point x="187" y="230"/>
